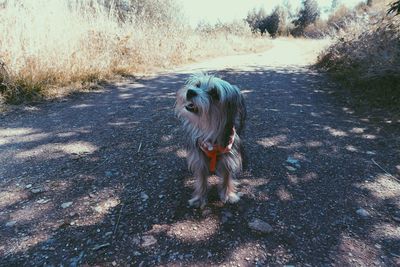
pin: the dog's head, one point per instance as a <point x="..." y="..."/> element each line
<point x="211" y="105"/>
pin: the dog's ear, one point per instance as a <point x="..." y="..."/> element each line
<point x="242" y="113"/>
<point x="236" y="115"/>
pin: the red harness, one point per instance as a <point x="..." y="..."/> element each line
<point x="213" y="151"/>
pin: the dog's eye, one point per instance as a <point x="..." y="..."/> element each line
<point x="198" y="84"/>
<point x="213" y="93"/>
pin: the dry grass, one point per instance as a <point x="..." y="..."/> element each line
<point x="46" y="44"/>
<point x="366" y="56"/>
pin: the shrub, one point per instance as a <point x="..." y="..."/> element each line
<point x="366" y="57"/>
<point x="340" y="17"/>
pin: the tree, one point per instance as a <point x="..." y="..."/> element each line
<point x="256" y="20"/>
<point x="272" y="22"/>
<point x="308" y="14"/>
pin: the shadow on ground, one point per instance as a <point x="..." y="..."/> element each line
<point x="118" y="156"/>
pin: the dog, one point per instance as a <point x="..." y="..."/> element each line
<point x="213" y="114"/>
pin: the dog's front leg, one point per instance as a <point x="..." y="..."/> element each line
<point x="227" y="191"/>
<point x="199" y="199"/>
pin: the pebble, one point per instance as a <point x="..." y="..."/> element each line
<point x="36" y="190"/>
<point x="293" y="161"/>
<point x="290" y="168"/>
<point x="11" y="223"/>
<point x="260" y="226"/>
<point x="363" y="213"/>
<point x="144" y="196"/>
<point x="66" y="204"/>
<point x="43" y="201"/>
<point x="28" y="186"/>
<point x="148" y="240"/>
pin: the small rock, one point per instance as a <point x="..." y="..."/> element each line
<point x="108" y="173"/>
<point x="148" y="240"/>
<point x="11" y="223"/>
<point x="290" y="168"/>
<point x="28" y="186"/>
<point x="260" y="226"/>
<point x="144" y="196"/>
<point x="114" y="263"/>
<point x="43" y="201"/>
<point x="363" y="213"/>
<point x="66" y="204"/>
<point x="37" y="190"/>
<point x="293" y="161"/>
<point x="160" y="196"/>
<point x="209" y="254"/>
<point x="136" y="253"/>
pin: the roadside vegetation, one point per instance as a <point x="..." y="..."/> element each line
<point x="365" y="56"/>
<point x="46" y="46"/>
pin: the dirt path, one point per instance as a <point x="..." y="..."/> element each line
<point x="101" y="179"/>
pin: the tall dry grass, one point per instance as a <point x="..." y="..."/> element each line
<point x="366" y="57"/>
<point x="46" y="44"/>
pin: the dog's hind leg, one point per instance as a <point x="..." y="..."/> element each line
<point x="199" y="199"/>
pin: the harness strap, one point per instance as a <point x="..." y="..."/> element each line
<point x="213" y="151"/>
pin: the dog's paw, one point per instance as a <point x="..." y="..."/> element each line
<point x="231" y="197"/>
<point x="198" y="202"/>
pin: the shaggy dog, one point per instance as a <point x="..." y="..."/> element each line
<point x="213" y="113"/>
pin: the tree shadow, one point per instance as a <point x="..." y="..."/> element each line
<point x="118" y="157"/>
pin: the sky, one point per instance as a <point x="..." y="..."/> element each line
<point x="227" y="10"/>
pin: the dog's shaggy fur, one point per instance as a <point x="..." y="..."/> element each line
<point x="213" y="113"/>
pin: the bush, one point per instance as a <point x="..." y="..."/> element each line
<point x="366" y="57"/>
